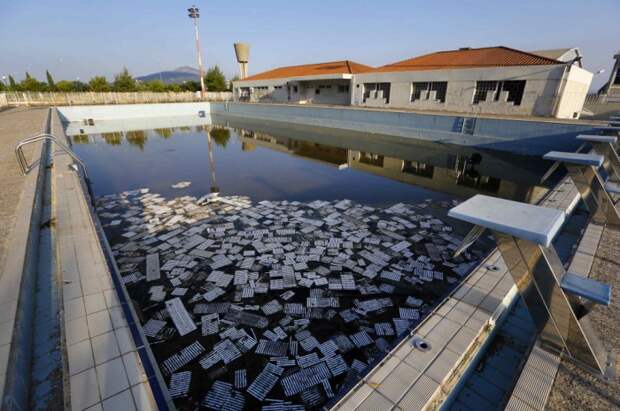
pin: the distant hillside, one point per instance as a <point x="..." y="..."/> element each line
<point x="178" y="75"/>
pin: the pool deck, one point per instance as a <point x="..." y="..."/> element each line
<point x="15" y="124"/>
<point x="17" y="209"/>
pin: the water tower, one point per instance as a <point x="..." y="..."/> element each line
<point x="242" y="51"/>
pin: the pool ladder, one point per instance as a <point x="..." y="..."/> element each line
<point x="23" y="163"/>
<point x="25" y="167"/>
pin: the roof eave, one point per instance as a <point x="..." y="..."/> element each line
<point x="281" y="80"/>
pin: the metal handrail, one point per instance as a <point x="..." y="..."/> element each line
<point x="23" y="163"/>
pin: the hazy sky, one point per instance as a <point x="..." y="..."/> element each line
<point x="85" y="38"/>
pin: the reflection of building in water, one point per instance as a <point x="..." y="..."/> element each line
<point x="458" y="176"/>
<point x="434" y="168"/>
<point x="334" y="156"/>
<point x="462" y="175"/>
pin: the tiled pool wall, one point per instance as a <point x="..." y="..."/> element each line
<point x="523" y="136"/>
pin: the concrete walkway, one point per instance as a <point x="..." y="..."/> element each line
<point x="15" y="124"/>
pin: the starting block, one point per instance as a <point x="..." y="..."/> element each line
<point x="554" y="298"/>
<point x="583" y="169"/>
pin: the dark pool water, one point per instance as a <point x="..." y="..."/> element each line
<point x="272" y="162"/>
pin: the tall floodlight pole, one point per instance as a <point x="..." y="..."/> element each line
<point x="214" y="187"/>
<point x="194" y="14"/>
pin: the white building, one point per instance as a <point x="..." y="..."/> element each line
<point x="491" y="80"/>
<point x="322" y="83"/>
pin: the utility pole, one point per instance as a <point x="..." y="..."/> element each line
<point x="194" y="14"/>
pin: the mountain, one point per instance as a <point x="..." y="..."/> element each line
<point x="178" y="75"/>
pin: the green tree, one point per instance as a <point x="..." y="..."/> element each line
<point x="123" y="81"/>
<point x="32" y="84"/>
<point x="2" y="86"/>
<point x="65" y="86"/>
<point x="215" y="80"/>
<point x="99" y="83"/>
<point x="80" y="86"/>
<point x="155" y="85"/>
<point x="50" y="81"/>
<point x="12" y="85"/>
<point x="190" y="86"/>
<point x="174" y="87"/>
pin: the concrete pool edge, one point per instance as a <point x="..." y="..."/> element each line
<point x="89" y="274"/>
<point x="532" y="136"/>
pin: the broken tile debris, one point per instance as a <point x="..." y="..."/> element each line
<point x="277" y="305"/>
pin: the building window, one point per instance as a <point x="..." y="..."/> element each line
<point x="261" y="88"/>
<point x="376" y="91"/>
<point x="433" y="91"/>
<point x="417" y="168"/>
<point x="325" y="86"/>
<point x="371" y="159"/>
<point x="277" y="87"/>
<point x="343" y="89"/>
<point x="482" y="89"/>
<point x="294" y="89"/>
<point x="513" y="88"/>
<point x="483" y="183"/>
<point x="244" y="93"/>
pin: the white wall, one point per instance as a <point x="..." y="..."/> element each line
<point x="123" y="111"/>
<point x="306" y="91"/>
<point x="575" y="90"/>
<point x="542" y="84"/>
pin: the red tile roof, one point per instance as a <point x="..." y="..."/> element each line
<point x="334" y="67"/>
<point x="468" y="58"/>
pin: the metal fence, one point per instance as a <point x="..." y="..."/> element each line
<point x="14" y="99"/>
<point x="600" y="106"/>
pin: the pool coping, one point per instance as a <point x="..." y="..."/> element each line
<point x="97" y="312"/>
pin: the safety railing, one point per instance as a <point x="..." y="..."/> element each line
<point x="23" y="163"/>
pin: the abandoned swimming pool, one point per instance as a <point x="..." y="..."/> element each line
<point x="273" y="267"/>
